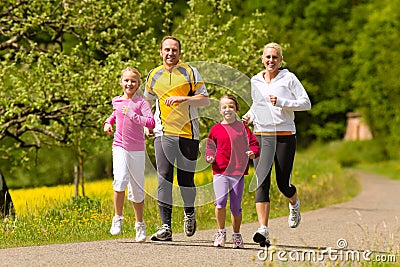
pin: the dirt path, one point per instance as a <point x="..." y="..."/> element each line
<point x="368" y="223"/>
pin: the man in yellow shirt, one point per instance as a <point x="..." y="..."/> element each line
<point x="178" y="90"/>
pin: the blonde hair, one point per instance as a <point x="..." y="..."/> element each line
<point x="275" y="46"/>
<point x="138" y="92"/>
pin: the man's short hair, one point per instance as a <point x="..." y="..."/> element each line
<point x="172" y="38"/>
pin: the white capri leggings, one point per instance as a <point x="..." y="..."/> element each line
<point x="128" y="169"/>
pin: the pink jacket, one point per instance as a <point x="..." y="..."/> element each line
<point x="129" y="130"/>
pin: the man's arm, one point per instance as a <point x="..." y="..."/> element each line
<point x="196" y="100"/>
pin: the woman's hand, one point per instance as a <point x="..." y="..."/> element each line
<point x="246" y="118"/>
<point x="273" y="99"/>
<point x="251" y="154"/>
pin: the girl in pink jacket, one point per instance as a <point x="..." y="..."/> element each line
<point x="131" y="113"/>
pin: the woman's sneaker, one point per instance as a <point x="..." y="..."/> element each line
<point x="189" y="224"/>
<point x="140" y="228"/>
<point x="261" y="236"/>
<point x="116" y="226"/>
<point x="294" y="216"/>
<point x="220" y="239"/>
<point x="164" y="233"/>
<point x="237" y="241"/>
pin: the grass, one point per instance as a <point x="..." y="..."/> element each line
<point x="369" y="156"/>
<point x="49" y="215"/>
<point x="390" y="169"/>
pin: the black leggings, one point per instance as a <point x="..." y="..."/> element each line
<point x="279" y="150"/>
<point x="169" y="149"/>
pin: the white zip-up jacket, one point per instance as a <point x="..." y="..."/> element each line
<point x="291" y="96"/>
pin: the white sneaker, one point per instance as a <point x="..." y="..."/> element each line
<point x="261" y="236"/>
<point x="140" y="228"/>
<point x="220" y="239"/>
<point x="116" y="227"/>
<point x="294" y="216"/>
<point x="237" y="241"/>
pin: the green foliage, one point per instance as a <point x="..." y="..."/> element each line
<point x="376" y="85"/>
<point x="55" y="166"/>
<point x="58" y="77"/>
<point x="352" y="153"/>
<point x="75" y="220"/>
<point x="60" y="63"/>
<point x="368" y="155"/>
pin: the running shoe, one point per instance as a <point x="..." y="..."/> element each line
<point x="261" y="236"/>
<point x="294" y="216"/>
<point x="237" y="241"/>
<point x="140" y="228"/>
<point x="164" y="233"/>
<point x="116" y="226"/>
<point x="220" y="239"/>
<point x="189" y="224"/>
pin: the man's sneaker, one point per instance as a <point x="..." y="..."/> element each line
<point x="294" y="216"/>
<point x="220" y="239"/>
<point x="164" y="233"/>
<point x="116" y="227"/>
<point x="140" y="228"/>
<point x="189" y="224"/>
<point x="237" y="241"/>
<point x="261" y="236"/>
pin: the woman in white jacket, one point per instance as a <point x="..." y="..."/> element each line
<point x="276" y="94"/>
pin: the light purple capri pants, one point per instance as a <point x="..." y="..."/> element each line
<point x="232" y="185"/>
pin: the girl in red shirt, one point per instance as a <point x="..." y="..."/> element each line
<point x="230" y="145"/>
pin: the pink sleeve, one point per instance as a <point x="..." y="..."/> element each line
<point x="146" y="111"/>
<point x="146" y="119"/>
<point x="111" y="119"/>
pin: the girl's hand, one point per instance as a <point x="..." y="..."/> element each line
<point x="124" y="109"/>
<point x="251" y="154"/>
<point x="210" y="159"/>
<point x="148" y="132"/>
<point x="107" y="128"/>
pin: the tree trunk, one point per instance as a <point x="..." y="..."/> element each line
<point x="81" y="178"/>
<point x="76" y="180"/>
<point x="78" y="171"/>
<point x="6" y="204"/>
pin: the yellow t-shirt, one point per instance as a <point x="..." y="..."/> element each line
<point x="179" y="119"/>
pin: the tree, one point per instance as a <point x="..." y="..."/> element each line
<point x="6" y="204"/>
<point x="60" y="62"/>
<point x="376" y="86"/>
